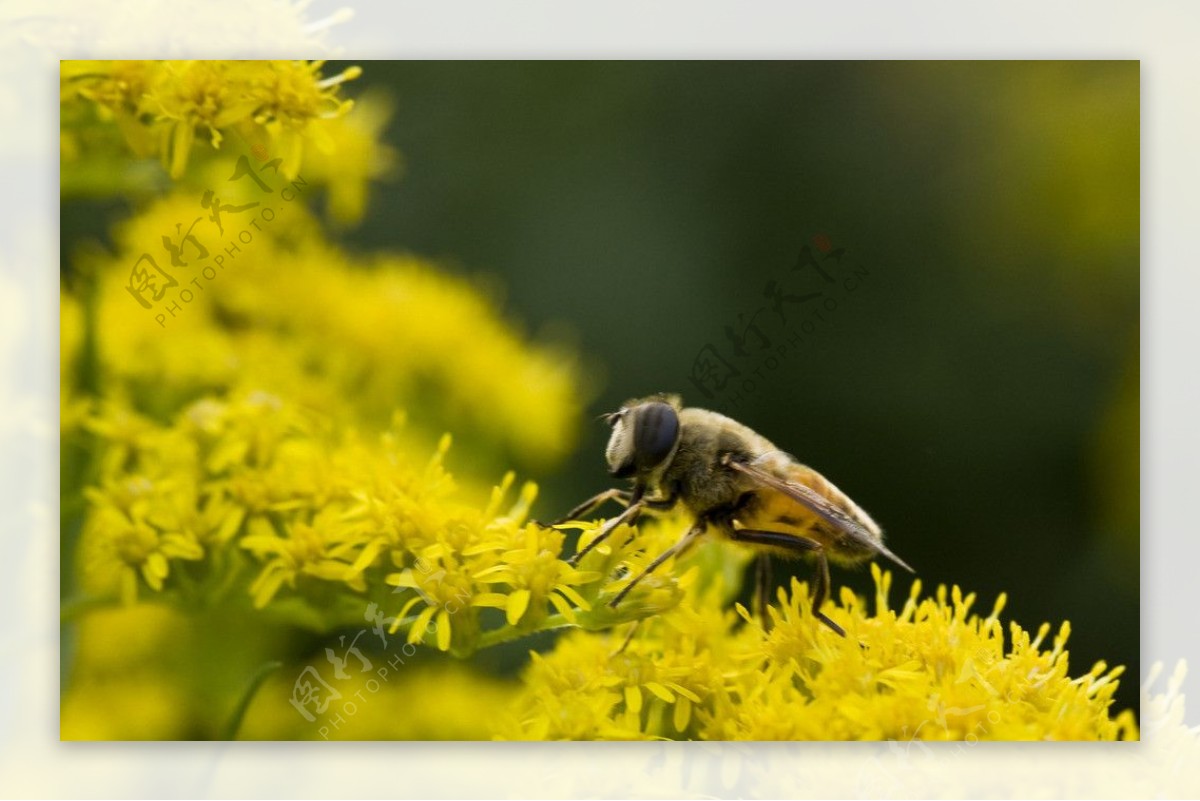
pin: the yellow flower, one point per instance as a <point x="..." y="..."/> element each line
<point x="325" y="515"/>
<point x="291" y="95"/>
<point x="322" y="548"/>
<point x="443" y="584"/>
<point x="282" y="108"/>
<point x="122" y="545"/>
<point x="465" y="561"/>
<point x="357" y="157"/>
<point x="191" y="95"/>
<point x="121" y="663"/>
<point x="352" y="338"/>
<point x="530" y="568"/>
<point x="409" y="701"/>
<point x="210" y="521"/>
<point x="930" y="671"/>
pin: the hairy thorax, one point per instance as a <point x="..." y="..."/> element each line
<point x="696" y="472"/>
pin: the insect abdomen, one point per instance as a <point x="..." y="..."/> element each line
<point x="774" y="511"/>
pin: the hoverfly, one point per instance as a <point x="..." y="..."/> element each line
<point x="735" y="482"/>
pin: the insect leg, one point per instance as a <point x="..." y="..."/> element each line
<point x="792" y="542"/>
<point x="762" y="588"/>
<point x="822" y="589"/>
<point x="623" y="497"/>
<point x="660" y="504"/>
<point x="630" y="516"/>
<point x="679" y="547"/>
<point x="628" y="639"/>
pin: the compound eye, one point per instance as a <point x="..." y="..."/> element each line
<point x="656" y="430"/>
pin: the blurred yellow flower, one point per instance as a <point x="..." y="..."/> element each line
<point x="120" y="655"/>
<point x="357" y="157"/>
<point x="161" y="106"/>
<point x="296" y="316"/>
<point x="130" y="547"/>
<point x="427" y="701"/>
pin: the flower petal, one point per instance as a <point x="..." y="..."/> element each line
<point x="659" y="690"/>
<point x="560" y="603"/>
<point x="443" y="630"/>
<point x="419" y="626"/>
<point x="496" y="600"/>
<point x="518" y="602"/>
<point x="574" y="596"/>
<point x="683" y="713"/>
<point x="633" y="699"/>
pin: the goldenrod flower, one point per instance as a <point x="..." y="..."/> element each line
<point x="356" y="158"/>
<point x="316" y="505"/>
<point x="285" y="113"/>
<point x="351" y="338"/>
<point x="321" y="548"/>
<point x="291" y="95"/>
<point x="411" y="701"/>
<point x="932" y="670"/>
<point x="195" y="95"/>
<point x="125" y="545"/>
<point x="528" y="565"/>
<point x="175" y="101"/>
<point x="121" y="658"/>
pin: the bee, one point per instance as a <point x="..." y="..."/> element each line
<point x="734" y="482"/>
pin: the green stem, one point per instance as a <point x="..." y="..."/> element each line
<point x="489" y="638"/>
<point x="509" y="633"/>
<point x="506" y="634"/>
<point x="235" y="720"/>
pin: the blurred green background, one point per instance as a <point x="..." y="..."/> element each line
<point x="977" y="392"/>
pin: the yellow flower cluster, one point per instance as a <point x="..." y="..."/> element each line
<point x="351" y="337"/>
<point x="156" y="665"/>
<point x="332" y="518"/>
<point x="421" y="702"/>
<point x="332" y="522"/>
<point x="930" y="671"/>
<point x="129" y="659"/>
<point x="163" y="109"/>
<point x="161" y="106"/>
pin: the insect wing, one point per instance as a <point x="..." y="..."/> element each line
<point x="819" y="505"/>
